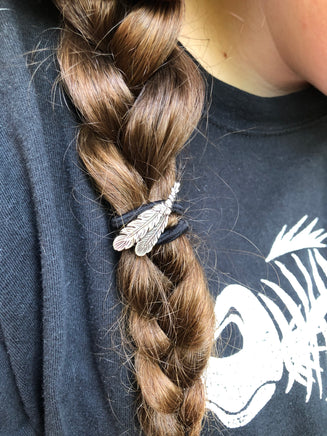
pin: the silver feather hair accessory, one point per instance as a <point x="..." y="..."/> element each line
<point x="145" y="230"/>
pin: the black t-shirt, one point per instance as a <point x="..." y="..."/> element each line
<point x="254" y="182"/>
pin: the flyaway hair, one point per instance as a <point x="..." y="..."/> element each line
<point x="140" y="96"/>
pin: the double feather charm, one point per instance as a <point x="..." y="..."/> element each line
<point x="146" y="229"/>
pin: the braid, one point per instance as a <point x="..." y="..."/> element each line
<point x="140" y="97"/>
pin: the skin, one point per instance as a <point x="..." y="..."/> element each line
<point x="265" y="47"/>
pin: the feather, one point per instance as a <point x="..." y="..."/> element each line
<point x="146" y="229"/>
<point x="150" y="239"/>
<point x="294" y="239"/>
<point x="138" y="228"/>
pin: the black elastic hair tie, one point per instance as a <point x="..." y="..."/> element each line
<point x="174" y="232"/>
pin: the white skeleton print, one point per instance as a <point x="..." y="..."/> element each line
<point x="274" y="340"/>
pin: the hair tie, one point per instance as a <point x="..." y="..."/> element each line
<point x="145" y="226"/>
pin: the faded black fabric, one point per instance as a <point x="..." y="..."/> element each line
<point x="255" y="165"/>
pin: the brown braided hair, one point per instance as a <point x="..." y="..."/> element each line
<point x="140" y="96"/>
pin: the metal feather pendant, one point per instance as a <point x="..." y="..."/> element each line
<point x="146" y="229"/>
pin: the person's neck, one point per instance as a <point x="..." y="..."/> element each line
<point x="231" y="40"/>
